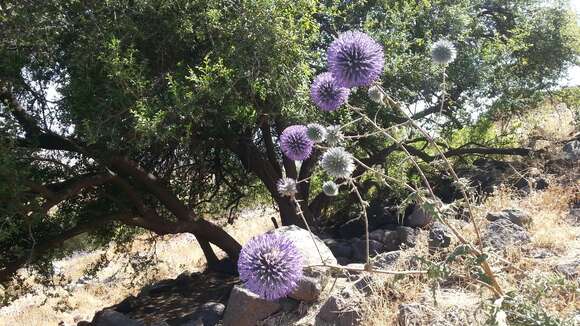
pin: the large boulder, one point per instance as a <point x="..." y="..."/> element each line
<point x="247" y="309"/>
<point x="516" y="216"/>
<point x="109" y="317"/>
<point x="303" y="241"/>
<point x="503" y="233"/>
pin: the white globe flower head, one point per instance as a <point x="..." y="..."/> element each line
<point x="316" y="132"/>
<point x="337" y="163"/>
<point x="443" y="52"/>
<point x="330" y="188"/>
<point x="287" y="187"/>
<point x="376" y="94"/>
<point x="334" y="136"/>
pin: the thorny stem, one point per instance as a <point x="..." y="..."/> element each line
<point x="363" y="205"/>
<point x="376" y="271"/>
<point x="301" y="214"/>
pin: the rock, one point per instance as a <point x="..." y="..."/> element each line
<point x="569" y="270"/>
<point x="127" y="305"/>
<point x="418" y="218"/>
<point x="288" y="304"/>
<point x="359" y="249"/>
<point x="364" y="284"/>
<point x="343" y="261"/>
<point x="516" y="216"/>
<point x="84" y="323"/>
<point x="110" y="317"/>
<point x="503" y="233"/>
<point x="208" y="314"/>
<point x="339" y="248"/>
<point x="303" y="241"/>
<point x="439" y="236"/>
<point x="247" y="309"/>
<point x="339" y="310"/>
<point x="411" y="314"/>
<point x="308" y="289"/>
<point x="389" y="238"/>
<point x="572" y="150"/>
<point x="386" y="260"/>
<point x="160" y="288"/>
<point x="407" y="235"/>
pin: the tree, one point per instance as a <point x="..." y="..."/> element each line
<point x="163" y="108"/>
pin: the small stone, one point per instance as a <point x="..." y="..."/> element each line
<point x="308" y="289"/>
<point x="503" y="233"/>
<point x="569" y="270"/>
<point x="516" y="216"/>
<point x="439" y="236"/>
<point x="386" y="260"/>
<point x="339" y="311"/>
<point x="247" y="309"/>
<point x="208" y="314"/>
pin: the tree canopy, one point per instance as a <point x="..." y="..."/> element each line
<point x="152" y="113"/>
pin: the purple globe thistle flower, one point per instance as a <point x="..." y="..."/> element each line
<point x="287" y="187"/>
<point x="327" y="94"/>
<point x="443" y="52"/>
<point x="295" y="143"/>
<point x="270" y="266"/>
<point x="355" y="59"/>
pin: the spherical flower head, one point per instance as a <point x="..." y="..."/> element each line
<point x="330" y="188"/>
<point x="334" y="136"/>
<point x="376" y="94"/>
<point x="316" y="132"/>
<point x="443" y="52"/>
<point x="337" y="162"/>
<point x="287" y="187"/>
<point x="270" y="265"/>
<point x="327" y="94"/>
<point x="355" y="59"/>
<point x="295" y="143"/>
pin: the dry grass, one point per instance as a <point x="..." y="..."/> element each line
<point x="70" y="301"/>
<point x="459" y="301"/>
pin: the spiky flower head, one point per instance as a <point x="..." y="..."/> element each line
<point x="376" y="94"/>
<point x="333" y="135"/>
<point x="337" y="162"/>
<point x="270" y="265"/>
<point x="287" y="187"/>
<point x="443" y="52"/>
<point x="330" y="188"/>
<point x="327" y="94"/>
<point x="355" y="59"/>
<point x="295" y="143"/>
<point x="316" y="132"/>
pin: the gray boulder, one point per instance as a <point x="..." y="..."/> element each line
<point x="516" y="216"/>
<point x="503" y="233"/>
<point x="572" y="150"/>
<point x="359" y="249"/>
<point x="418" y="218"/>
<point x="308" y="289"/>
<point x="569" y="270"/>
<point x="110" y="317"/>
<point x="303" y="241"/>
<point x="247" y="309"/>
<point x="339" y="248"/>
<point x="339" y="310"/>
